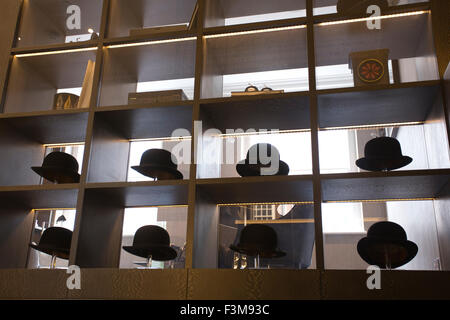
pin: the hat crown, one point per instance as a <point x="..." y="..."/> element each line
<point x="262" y="149"/>
<point x="61" y="160"/>
<point x="56" y="237"/>
<point x="387" y="230"/>
<point x="151" y="236"/>
<point x="383" y="147"/>
<point x="158" y="157"/>
<point x="260" y="236"/>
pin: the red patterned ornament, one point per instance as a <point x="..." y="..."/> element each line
<point x="371" y="70"/>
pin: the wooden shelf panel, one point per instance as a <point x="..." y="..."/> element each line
<point x="280" y="111"/>
<point x="136" y="14"/>
<point x="385" y="104"/>
<point x="257" y="189"/>
<point x="405" y="37"/>
<point x="45" y="21"/>
<point x="50" y="127"/>
<point x="380" y="185"/>
<point x="148" y="121"/>
<point x="136" y="194"/>
<point x="40" y="197"/>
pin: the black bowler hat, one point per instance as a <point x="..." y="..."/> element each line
<point x="152" y="241"/>
<point x="258" y="239"/>
<point x="383" y="153"/>
<point x="55" y="241"/>
<point x="252" y="165"/>
<point x="386" y="245"/>
<point x="360" y="6"/>
<point x="158" y="163"/>
<point x="59" y="167"/>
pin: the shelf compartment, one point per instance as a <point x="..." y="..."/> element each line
<point x="102" y="223"/>
<point x="219" y="13"/>
<point x="126" y="15"/>
<point x="279" y="111"/>
<point x="35" y="78"/>
<point x="47" y="21"/>
<point x="417" y="184"/>
<point x="397" y="103"/>
<point x="408" y="38"/>
<point x="233" y="61"/>
<point x="325" y="7"/>
<point x="116" y="130"/>
<point x="147" y="66"/>
<point x="24" y="140"/>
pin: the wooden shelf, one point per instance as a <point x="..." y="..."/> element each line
<point x="278" y="111"/>
<point x="410" y="102"/>
<point x="257" y="189"/>
<point x="141" y="194"/>
<point x="50" y="127"/>
<point x="380" y="185"/>
<point x="41" y="196"/>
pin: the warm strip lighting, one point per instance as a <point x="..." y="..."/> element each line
<point x="374" y="126"/>
<point x="52" y="209"/>
<point x="262" y="203"/>
<point x="284" y="221"/>
<point x="259" y="133"/>
<point x="232" y="34"/>
<point x="391" y="16"/>
<point x="168" y="139"/>
<point x="380" y="200"/>
<point x="62" y="145"/>
<point x="161" y="206"/>
<point x="23" y="55"/>
<point x="147" y="43"/>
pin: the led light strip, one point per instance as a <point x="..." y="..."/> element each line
<point x="264" y="203"/>
<point x="380" y="200"/>
<point x="374" y="126"/>
<point x="168" y="139"/>
<point x="161" y="206"/>
<point x="52" y="209"/>
<point x="46" y="53"/>
<point x="61" y="145"/>
<point x="232" y="34"/>
<point x="284" y="221"/>
<point x="258" y="133"/>
<point x="147" y="43"/>
<point x="391" y="16"/>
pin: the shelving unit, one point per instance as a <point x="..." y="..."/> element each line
<point x="205" y="54"/>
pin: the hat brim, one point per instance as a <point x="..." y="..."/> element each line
<point x="159" y="172"/>
<point x="158" y="253"/>
<point x="380" y="164"/>
<point x="262" y="253"/>
<point x="56" y="174"/>
<point x="366" y="246"/>
<point x="59" y="252"/>
<point x="252" y="170"/>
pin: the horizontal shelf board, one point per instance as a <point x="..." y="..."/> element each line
<point x="48" y="127"/>
<point x="55" y="47"/>
<point x="254" y="26"/>
<point x="278" y="111"/>
<point x="408" y="102"/>
<point x="149" y="37"/>
<point x="380" y="185"/>
<point x="135" y="194"/>
<point x="145" y="106"/>
<point x="258" y="189"/>
<point x="405" y="37"/>
<point x="148" y="122"/>
<point x="40" y="196"/>
<point x="278" y="50"/>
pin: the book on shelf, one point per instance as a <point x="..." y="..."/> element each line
<point x="168" y="28"/>
<point x="156" y="96"/>
<point x="255" y="93"/>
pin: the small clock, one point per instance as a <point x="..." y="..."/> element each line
<point x="371" y="70"/>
